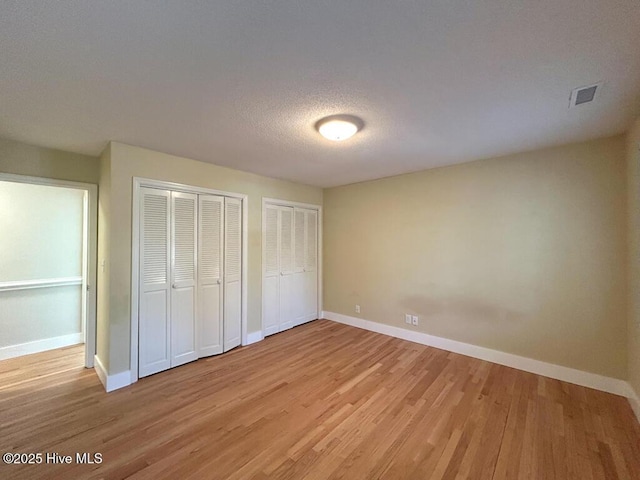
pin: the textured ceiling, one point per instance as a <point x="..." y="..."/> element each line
<point x="241" y="83"/>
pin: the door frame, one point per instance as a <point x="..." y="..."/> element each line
<point x="89" y="252"/>
<point x="139" y="182"/>
<point x="286" y="203"/>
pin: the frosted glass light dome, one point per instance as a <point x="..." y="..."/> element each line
<point x="338" y="127"/>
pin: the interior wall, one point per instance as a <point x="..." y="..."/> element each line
<point x="104" y="241"/>
<point x="128" y="162"/>
<point x="42" y="229"/>
<point x="524" y="254"/>
<point x="633" y="177"/>
<point x="22" y="159"/>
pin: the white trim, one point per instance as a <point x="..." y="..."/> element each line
<point x="634" y="400"/>
<point x="254" y="337"/>
<point x="111" y="382"/>
<point x="51" y="182"/>
<point x="40" y="283"/>
<point x="139" y="182"/>
<point x="286" y="203"/>
<point x="89" y="249"/>
<point x="38" y="346"/>
<point x="566" y="374"/>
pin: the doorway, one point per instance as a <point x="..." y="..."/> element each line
<point x="47" y="266"/>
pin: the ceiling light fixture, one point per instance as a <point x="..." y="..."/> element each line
<point x="339" y="127"/>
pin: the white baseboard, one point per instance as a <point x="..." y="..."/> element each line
<point x="634" y="400"/>
<point x="43" y="345"/>
<point x="566" y="374"/>
<point x="254" y="337"/>
<point x="111" y="382"/>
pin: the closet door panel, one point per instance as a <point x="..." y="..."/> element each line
<point x="287" y="290"/>
<point x="210" y="268"/>
<point x="184" y="271"/>
<point x="310" y="281"/>
<point x="154" y="350"/>
<point x="183" y="328"/>
<point x="232" y="273"/>
<point x="298" y="283"/>
<point x="271" y="272"/>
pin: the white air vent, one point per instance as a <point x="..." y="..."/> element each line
<point x="582" y="95"/>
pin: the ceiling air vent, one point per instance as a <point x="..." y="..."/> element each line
<point x="583" y="95"/>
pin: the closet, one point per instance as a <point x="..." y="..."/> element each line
<point x="190" y="298"/>
<point x="290" y="267"/>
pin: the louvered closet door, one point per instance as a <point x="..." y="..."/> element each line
<point x="271" y="280"/>
<point x="184" y="271"/>
<point x="232" y="273"/>
<point x="210" y="268"/>
<point x="298" y="293"/>
<point x="310" y="282"/>
<point x="287" y="313"/>
<point x="154" y="353"/>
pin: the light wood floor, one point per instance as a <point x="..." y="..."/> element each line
<point x="320" y="401"/>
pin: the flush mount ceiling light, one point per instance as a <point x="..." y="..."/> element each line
<point x="339" y="127"/>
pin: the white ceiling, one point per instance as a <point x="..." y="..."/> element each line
<point x="241" y="83"/>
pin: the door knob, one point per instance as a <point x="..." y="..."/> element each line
<point x="174" y="286"/>
<point x="218" y="281"/>
<point x="281" y="274"/>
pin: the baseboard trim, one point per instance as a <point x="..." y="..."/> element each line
<point x="634" y="401"/>
<point x="111" y="382"/>
<point x="566" y="374"/>
<point x="38" y="346"/>
<point x="254" y="337"/>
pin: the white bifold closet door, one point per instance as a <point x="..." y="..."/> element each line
<point x="290" y="274"/>
<point x="271" y="271"/>
<point x="308" y="278"/>
<point x="183" y="287"/>
<point x="190" y="277"/>
<point x="232" y="273"/>
<point x="210" y="275"/>
<point x="155" y="282"/>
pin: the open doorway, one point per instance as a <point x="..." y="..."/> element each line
<point x="48" y="233"/>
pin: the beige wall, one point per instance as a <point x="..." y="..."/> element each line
<point x="22" y="159"/>
<point x="524" y="254"/>
<point x="104" y="242"/>
<point x="41" y="230"/>
<point x="633" y="177"/>
<point x="127" y="162"/>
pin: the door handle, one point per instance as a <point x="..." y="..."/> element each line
<point x="174" y="286"/>
<point x="218" y="282"/>
<point x="282" y="274"/>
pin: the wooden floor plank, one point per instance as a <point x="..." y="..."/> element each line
<point x="321" y="401"/>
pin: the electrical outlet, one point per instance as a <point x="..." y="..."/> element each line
<point x="407" y="318"/>
<point x="414" y="320"/>
<point x="357" y="308"/>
